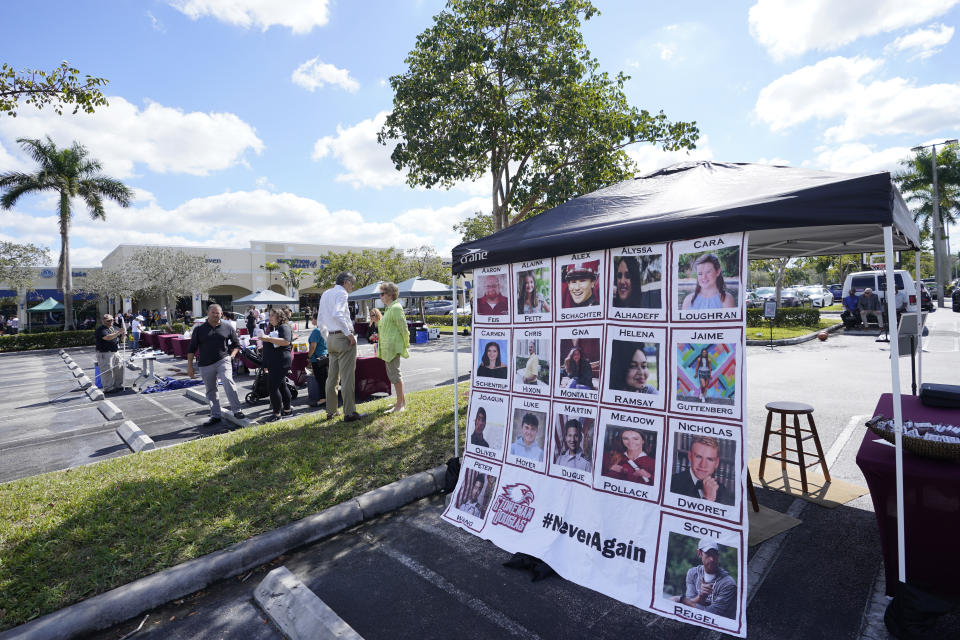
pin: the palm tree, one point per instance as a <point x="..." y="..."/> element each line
<point x="72" y="174"/>
<point x="916" y="183"/>
<point x="292" y="277"/>
<point x="270" y="267"/>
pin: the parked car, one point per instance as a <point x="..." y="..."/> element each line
<point x="956" y="299"/>
<point x="765" y="292"/>
<point x="926" y="302"/>
<point x="931" y="284"/>
<point x="877" y="280"/>
<point x="438" y="307"/>
<point x="790" y="297"/>
<point x="753" y="300"/>
<point x="837" y="291"/>
<point x="816" y="295"/>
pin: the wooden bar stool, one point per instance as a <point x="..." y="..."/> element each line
<point x="752" y="493"/>
<point x="795" y="409"/>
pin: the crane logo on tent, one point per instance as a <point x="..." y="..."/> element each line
<point x="473" y="255"/>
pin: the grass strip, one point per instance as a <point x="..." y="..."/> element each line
<point x="69" y="535"/>
<point x="782" y="333"/>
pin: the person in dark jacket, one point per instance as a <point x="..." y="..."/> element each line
<point x="278" y="357"/>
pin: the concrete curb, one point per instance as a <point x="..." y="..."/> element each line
<point x="135" y="438"/>
<point x="84" y="382"/>
<point x="797" y="340"/>
<point x="195" y="394"/>
<point x="110" y="411"/>
<point x="94" y="393"/>
<point x="297" y="610"/>
<point x="79" y="373"/>
<point x="127" y="601"/>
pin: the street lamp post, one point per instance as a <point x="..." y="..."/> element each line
<point x="938" y="248"/>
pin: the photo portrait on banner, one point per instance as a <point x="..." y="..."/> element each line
<point x="579" y="286"/>
<point x="579" y="362"/>
<point x="574" y="434"/>
<point x="491" y="302"/>
<point x="475" y="491"/>
<point x="699" y="573"/>
<point x="636" y="374"/>
<point x="707" y="281"/>
<point x="630" y="454"/>
<point x="532" y="291"/>
<point x="533" y="355"/>
<point x="487" y="422"/>
<point x="706" y="374"/>
<point x="492" y="361"/>
<point x="704" y="468"/>
<point x="637" y="289"/>
<point x="529" y="428"/>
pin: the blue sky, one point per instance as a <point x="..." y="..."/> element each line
<point x="245" y="119"/>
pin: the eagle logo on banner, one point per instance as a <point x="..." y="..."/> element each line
<point x="512" y="507"/>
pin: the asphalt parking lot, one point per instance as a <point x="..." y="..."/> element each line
<point x="47" y="423"/>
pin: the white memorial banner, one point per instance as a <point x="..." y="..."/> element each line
<point x="606" y="423"/>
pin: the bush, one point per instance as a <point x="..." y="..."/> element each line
<point x="46" y="340"/>
<point x="788" y="317"/>
<point x="447" y="321"/>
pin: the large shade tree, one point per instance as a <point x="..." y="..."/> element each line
<point x="70" y="174"/>
<point x="507" y="90"/>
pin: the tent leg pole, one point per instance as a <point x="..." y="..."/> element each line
<point x="897" y="409"/>
<point x="920" y="323"/>
<point x="456" y="374"/>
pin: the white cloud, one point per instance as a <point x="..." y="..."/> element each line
<point x="121" y="136"/>
<point x="11" y="162"/>
<point x="368" y="162"/>
<point x="233" y="219"/>
<point x="791" y="27"/>
<point x="155" y="23"/>
<point x="301" y="16"/>
<point x="860" y="158"/>
<point x="313" y="74"/>
<point x="823" y="90"/>
<point x="263" y="182"/>
<point x="650" y="158"/>
<point x="923" y="43"/>
<point x="841" y="88"/>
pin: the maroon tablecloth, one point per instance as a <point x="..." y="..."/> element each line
<point x="148" y="339"/>
<point x="298" y="370"/>
<point x="165" y="342"/>
<point x="180" y="346"/>
<point x="931" y="502"/>
<point x="371" y="377"/>
<point x="361" y="328"/>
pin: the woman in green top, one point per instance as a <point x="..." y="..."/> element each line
<point x="394" y="340"/>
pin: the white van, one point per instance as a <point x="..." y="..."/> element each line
<point x="877" y="280"/>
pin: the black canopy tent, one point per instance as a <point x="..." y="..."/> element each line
<point x="788" y="212"/>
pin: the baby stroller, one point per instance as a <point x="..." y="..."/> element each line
<point x="260" y="390"/>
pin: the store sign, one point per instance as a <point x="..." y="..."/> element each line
<point x="47" y="273"/>
<point x="300" y="263"/>
<point x="607" y="426"/>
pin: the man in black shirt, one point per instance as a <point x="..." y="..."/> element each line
<point x="107" y="338"/>
<point x="214" y="343"/>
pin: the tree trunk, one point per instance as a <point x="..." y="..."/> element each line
<point x="66" y="280"/>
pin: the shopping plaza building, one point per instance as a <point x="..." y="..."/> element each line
<point x="241" y="272"/>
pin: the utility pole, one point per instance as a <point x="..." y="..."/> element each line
<point x="939" y="250"/>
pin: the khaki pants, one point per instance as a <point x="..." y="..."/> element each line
<point x="111" y="370"/>
<point x="343" y="367"/>
<point x="224" y="371"/>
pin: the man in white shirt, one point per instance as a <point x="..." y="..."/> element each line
<point x="333" y="319"/>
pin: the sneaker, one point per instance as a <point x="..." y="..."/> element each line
<point x="239" y="415"/>
<point x="210" y="422"/>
